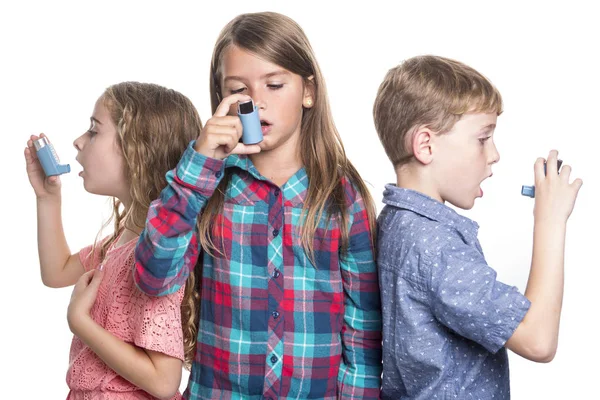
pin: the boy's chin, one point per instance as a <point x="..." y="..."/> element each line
<point x="463" y="204"/>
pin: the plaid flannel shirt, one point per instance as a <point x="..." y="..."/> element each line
<point x="272" y="325"/>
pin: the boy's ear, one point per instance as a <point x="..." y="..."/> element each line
<point x="421" y="144"/>
<point x="309" y="92"/>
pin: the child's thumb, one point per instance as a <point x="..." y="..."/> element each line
<point x="54" y="180"/>
<point x="97" y="278"/>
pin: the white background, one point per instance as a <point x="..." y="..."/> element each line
<point x="56" y="58"/>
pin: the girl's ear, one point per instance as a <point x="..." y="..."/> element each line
<point x="309" y="92"/>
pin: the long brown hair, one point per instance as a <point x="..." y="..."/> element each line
<point x="154" y="126"/>
<point x="279" y="40"/>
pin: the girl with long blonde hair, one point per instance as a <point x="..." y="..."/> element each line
<point x="282" y="231"/>
<point x="126" y="344"/>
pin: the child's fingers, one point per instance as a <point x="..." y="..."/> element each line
<point x="565" y="173"/>
<point x="30" y="146"/>
<point x="576" y="185"/>
<point x="215" y="130"/>
<point x="223" y="108"/>
<point x="33" y="138"/>
<point x="96" y="279"/>
<point x="538" y="170"/>
<point x="551" y="163"/>
<point x="242" y="148"/>
<point x="228" y="120"/>
<point x="82" y="283"/>
<point x="87" y="277"/>
<point x="229" y="141"/>
<point x="30" y="157"/>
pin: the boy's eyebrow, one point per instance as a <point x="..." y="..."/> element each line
<point x="487" y="128"/>
<point x="269" y="75"/>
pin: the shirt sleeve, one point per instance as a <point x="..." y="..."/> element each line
<point x="90" y="257"/>
<point x="360" y="369"/>
<point x="466" y="297"/>
<point x="157" y="323"/>
<point x="168" y="246"/>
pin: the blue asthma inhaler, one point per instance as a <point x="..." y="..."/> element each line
<point x="248" y="113"/>
<point x="529" y="191"/>
<point x="49" y="159"/>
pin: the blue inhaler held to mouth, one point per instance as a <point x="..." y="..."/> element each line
<point x="48" y="158"/>
<point x="529" y="191"/>
<point x="252" y="131"/>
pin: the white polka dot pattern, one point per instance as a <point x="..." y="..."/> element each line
<point x="445" y="316"/>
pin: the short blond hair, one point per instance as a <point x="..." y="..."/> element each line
<point x="432" y="91"/>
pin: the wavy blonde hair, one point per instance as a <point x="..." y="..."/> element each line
<point x="280" y="40"/>
<point x="154" y="126"/>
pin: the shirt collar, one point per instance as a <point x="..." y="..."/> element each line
<point x="294" y="190"/>
<point x="424" y="205"/>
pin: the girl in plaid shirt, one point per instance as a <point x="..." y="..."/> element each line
<point x="278" y="233"/>
<point x="127" y="345"/>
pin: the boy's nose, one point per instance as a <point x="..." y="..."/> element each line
<point x="495" y="156"/>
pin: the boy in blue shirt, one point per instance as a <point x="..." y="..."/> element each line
<point x="447" y="320"/>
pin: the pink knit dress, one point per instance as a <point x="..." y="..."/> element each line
<point x="152" y="323"/>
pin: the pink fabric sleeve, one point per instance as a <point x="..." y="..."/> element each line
<point x="157" y="325"/>
<point x="90" y="259"/>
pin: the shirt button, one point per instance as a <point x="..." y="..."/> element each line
<point x="275" y="232"/>
<point x="276" y="273"/>
<point x="273" y="359"/>
<point x="275" y="314"/>
<point x="276" y="192"/>
<point x="218" y="174"/>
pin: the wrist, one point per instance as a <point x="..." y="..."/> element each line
<point x="51" y="199"/>
<point x="78" y="323"/>
<point x="204" y="152"/>
<point x="549" y="221"/>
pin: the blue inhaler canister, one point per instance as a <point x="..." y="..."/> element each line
<point x="49" y="159"/>
<point x="248" y="113"/>
<point x="529" y="191"/>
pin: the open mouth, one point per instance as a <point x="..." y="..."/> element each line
<point x="265" y="126"/>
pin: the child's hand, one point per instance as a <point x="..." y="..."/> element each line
<point x="221" y="134"/>
<point x="554" y="195"/>
<point x="43" y="186"/>
<point x="83" y="298"/>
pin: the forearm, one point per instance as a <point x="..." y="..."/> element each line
<point x="53" y="250"/>
<point x="360" y="371"/>
<point x="360" y="368"/>
<point x="129" y="361"/>
<point x="359" y="376"/>
<point x="168" y="246"/>
<point x="546" y="282"/>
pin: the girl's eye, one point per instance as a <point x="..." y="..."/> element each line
<point x="92" y="133"/>
<point x="483" y="140"/>
<point x="274" y="86"/>
<point x="234" y="91"/>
